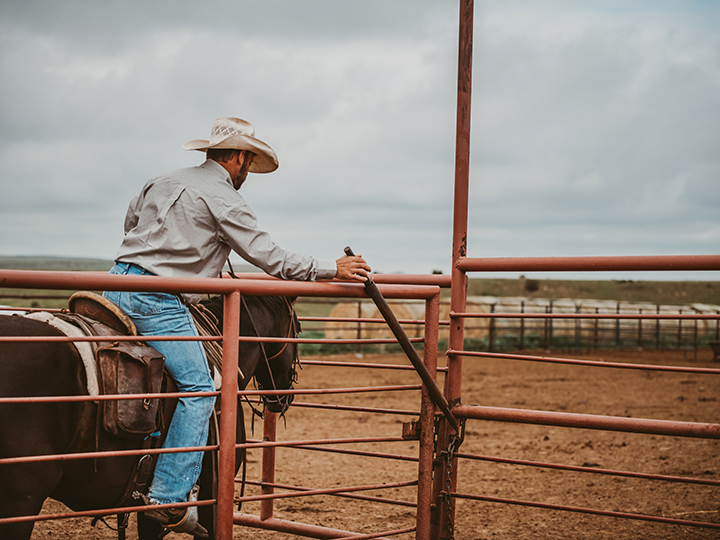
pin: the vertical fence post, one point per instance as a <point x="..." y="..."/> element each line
<point x="578" y="328"/>
<point x="458" y="294"/>
<point x="695" y="339"/>
<point x="522" y="325"/>
<point x="595" y="329"/>
<point x="679" y="332"/>
<point x="268" y="464"/>
<point x="228" y="416"/>
<point x="359" y="329"/>
<point x="427" y="422"/>
<point x="657" y="329"/>
<point x="550" y="327"/>
<point x="491" y="330"/>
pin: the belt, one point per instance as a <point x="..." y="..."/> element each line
<point x="136" y="266"/>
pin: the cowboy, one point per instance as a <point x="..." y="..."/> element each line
<point x="185" y="223"/>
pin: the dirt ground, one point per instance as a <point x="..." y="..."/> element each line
<point x="503" y="383"/>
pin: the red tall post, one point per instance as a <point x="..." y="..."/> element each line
<point x="444" y="516"/>
<point x="460" y="207"/>
<point x="427" y="422"/>
<point x="268" y="464"/>
<point x="228" y="418"/>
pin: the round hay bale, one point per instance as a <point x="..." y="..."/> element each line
<point x="401" y="310"/>
<point x="414" y="310"/>
<point x="407" y="309"/>
<point x="350" y="329"/>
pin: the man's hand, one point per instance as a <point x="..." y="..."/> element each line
<point x="352" y="268"/>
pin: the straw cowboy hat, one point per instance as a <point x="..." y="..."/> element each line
<point x="236" y="134"/>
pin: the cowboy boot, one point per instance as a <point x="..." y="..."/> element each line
<point x="181" y="520"/>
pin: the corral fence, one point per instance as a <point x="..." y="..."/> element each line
<point x="438" y="458"/>
<point x="232" y="289"/>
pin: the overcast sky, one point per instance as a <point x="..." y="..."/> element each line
<point x="596" y="124"/>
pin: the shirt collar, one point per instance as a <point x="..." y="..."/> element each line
<point x="219" y="170"/>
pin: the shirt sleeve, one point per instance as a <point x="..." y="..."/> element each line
<point x="132" y="216"/>
<point x="238" y="228"/>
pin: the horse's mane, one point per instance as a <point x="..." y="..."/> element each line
<point x="276" y="304"/>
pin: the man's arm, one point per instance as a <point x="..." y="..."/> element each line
<point x="132" y="215"/>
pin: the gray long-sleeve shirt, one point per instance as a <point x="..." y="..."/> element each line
<point x="186" y="222"/>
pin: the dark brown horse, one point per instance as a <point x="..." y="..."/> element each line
<point x="55" y="369"/>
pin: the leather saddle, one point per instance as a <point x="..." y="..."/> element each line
<point x="123" y="367"/>
<point x="100" y="309"/>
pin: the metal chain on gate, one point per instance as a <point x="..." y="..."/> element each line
<point x="448" y="486"/>
<point x="453" y="445"/>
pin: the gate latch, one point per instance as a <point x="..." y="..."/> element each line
<point x="411" y="431"/>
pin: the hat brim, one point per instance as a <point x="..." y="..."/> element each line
<point x="265" y="161"/>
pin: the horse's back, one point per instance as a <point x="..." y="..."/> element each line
<point x="32" y="369"/>
<point x="37" y="368"/>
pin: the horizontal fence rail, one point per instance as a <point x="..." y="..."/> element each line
<point x="343" y="494"/>
<point x="37" y="279"/>
<point x="590" y="470"/>
<point x="613" y="316"/>
<point x="590" y="421"/>
<point x="589" y="511"/>
<point x="578" y="362"/>
<point x="591" y="264"/>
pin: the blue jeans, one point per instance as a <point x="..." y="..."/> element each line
<point x="161" y="314"/>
